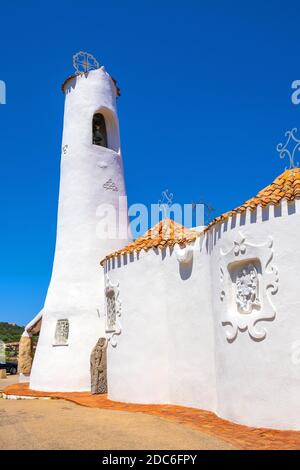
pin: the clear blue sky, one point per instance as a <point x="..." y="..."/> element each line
<point x="205" y="99"/>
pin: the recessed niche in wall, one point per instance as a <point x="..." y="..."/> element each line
<point x="246" y="286"/>
<point x="99" y="130"/>
<point x="105" y="130"/>
<point x="113" y="311"/>
<point x="61" y="333"/>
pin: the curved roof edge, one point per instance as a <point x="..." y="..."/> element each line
<point x="34" y="325"/>
<point x="285" y="186"/>
<point x="165" y="233"/>
<point x="168" y="233"/>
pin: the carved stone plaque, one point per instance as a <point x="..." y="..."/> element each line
<point x="61" y="332"/>
<point x="99" y="367"/>
<point x="112" y="311"/>
<point x="25" y="355"/>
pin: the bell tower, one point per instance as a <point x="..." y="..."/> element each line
<point x="91" y="180"/>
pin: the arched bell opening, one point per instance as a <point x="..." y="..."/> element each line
<point x="105" y="130"/>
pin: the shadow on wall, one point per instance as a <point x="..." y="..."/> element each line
<point x="185" y="269"/>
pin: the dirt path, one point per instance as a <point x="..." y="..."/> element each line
<point x="10" y="380"/>
<point x="57" y="424"/>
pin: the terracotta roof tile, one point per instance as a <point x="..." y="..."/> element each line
<point x="286" y="186"/>
<point x="165" y="233"/>
<point x="168" y="233"/>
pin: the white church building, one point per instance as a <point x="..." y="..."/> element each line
<point x="207" y="318"/>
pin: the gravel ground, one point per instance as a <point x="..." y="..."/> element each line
<point x="58" y="424"/>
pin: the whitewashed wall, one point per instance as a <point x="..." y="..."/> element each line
<point x="258" y="381"/>
<point x="76" y="290"/>
<point x="165" y="352"/>
<point x="173" y="346"/>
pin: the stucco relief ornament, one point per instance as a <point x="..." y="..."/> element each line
<point x="113" y="311"/>
<point x="110" y="185"/>
<point x="65" y="149"/>
<point x="248" y="279"/>
<point x="184" y="255"/>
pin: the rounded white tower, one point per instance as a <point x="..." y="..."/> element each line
<point x="91" y="185"/>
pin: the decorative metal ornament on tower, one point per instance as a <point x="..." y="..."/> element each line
<point x="165" y="202"/>
<point x="290" y="148"/>
<point x="84" y="62"/>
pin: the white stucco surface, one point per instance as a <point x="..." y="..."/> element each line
<point x="165" y="352"/>
<point x="258" y="381"/>
<point x="214" y="325"/>
<point x="76" y="290"/>
<point x="178" y="317"/>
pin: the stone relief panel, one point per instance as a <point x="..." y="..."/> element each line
<point x="113" y="310"/>
<point x="61" y="333"/>
<point x="99" y="367"/>
<point x="248" y="280"/>
<point x="25" y="354"/>
<point x="246" y="287"/>
<point x="184" y="255"/>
